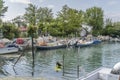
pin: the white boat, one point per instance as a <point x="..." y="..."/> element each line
<point x="7" y="50"/>
<point x="100" y="74"/>
<point x="83" y="43"/>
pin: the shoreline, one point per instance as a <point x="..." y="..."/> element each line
<point x="28" y="78"/>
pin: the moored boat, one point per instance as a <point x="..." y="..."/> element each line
<point x="48" y="43"/>
<point x="7" y="50"/>
<point x="83" y="43"/>
<point x="50" y="47"/>
<point x="96" y="41"/>
<point x="10" y="48"/>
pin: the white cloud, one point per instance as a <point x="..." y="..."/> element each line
<point x="21" y="1"/>
<point x="112" y="2"/>
<point x="113" y="16"/>
<point x="41" y="1"/>
<point x="51" y="6"/>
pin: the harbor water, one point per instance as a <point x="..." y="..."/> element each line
<point x="106" y="54"/>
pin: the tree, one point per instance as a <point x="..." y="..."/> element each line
<point x="62" y="18"/>
<point x="44" y="14"/>
<point x="116" y="25"/>
<point x="108" y="22"/>
<point x="30" y="15"/>
<point x="75" y="20"/>
<point x="54" y="28"/>
<point x="9" y="30"/>
<point x="71" y="20"/>
<point x="32" y="31"/>
<point x="3" y="8"/>
<point x="94" y="17"/>
<point x="38" y="16"/>
<point x="19" y="21"/>
<point x="111" y="29"/>
<point x="44" y="18"/>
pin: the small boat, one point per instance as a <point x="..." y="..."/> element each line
<point x="83" y="44"/>
<point x="50" y="47"/>
<point x="100" y="74"/>
<point x="96" y="41"/>
<point x="10" y="48"/>
<point x="7" y="50"/>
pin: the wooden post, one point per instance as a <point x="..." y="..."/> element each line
<point x="78" y="64"/>
<point x="63" y="64"/>
<point x="33" y="56"/>
<point x="78" y="71"/>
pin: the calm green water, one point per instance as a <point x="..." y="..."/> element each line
<point x="88" y="58"/>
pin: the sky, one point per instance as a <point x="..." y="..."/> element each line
<point x="111" y="8"/>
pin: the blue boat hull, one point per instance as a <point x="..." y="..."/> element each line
<point x="88" y="44"/>
<point x="96" y="41"/>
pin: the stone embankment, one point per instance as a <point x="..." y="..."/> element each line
<point x="102" y="38"/>
<point x="108" y="38"/>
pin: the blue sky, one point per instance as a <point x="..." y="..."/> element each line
<point x="17" y="7"/>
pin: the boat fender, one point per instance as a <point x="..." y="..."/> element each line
<point x="116" y="68"/>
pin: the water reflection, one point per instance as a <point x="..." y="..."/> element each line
<point x="2" y="63"/>
<point x="88" y="59"/>
<point x="94" y="60"/>
<point x="111" y="54"/>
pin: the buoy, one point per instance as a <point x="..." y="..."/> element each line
<point x="58" y="67"/>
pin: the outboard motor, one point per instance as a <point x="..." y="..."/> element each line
<point x="116" y="69"/>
